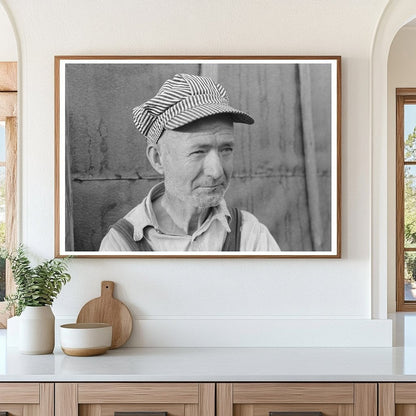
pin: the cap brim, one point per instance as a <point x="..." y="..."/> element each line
<point x="193" y="114"/>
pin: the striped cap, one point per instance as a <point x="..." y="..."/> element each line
<point x="181" y="100"/>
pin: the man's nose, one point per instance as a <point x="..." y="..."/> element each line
<point x="213" y="165"/>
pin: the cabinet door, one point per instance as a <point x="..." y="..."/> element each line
<point x="397" y="399"/>
<point x="26" y="399"/>
<point x="142" y="399"/>
<point x="297" y="399"/>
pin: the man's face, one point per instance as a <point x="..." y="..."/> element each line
<point x="197" y="161"/>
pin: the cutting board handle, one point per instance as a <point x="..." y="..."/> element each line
<point x="107" y="289"/>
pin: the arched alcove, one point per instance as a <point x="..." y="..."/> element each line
<point x="396" y="15"/>
<point x="401" y="74"/>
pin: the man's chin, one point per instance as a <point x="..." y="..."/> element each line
<point x="208" y="201"/>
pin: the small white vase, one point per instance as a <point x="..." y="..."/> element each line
<point x="37" y="330"/>
<point x="12" y="334"/>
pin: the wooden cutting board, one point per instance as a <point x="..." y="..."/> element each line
<point x="108" y="310"/>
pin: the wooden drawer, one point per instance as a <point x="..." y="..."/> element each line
<point x="27" y="399"/>
<point x="331" y="399"/>
<point x="104" y="399"/>
<point x="397" y="399"/>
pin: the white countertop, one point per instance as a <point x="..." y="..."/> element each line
<point x="221" y="364"/>
<point x="215" y="364"/>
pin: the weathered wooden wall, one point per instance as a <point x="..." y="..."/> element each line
<point x="110" y="173"/>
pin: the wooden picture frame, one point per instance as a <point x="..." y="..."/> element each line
<point x="405" y="290"/>
<point x="287" y="166"/>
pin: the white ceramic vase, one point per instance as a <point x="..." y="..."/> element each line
<point x="12" y="334"/>
<point x="37" y="330"/>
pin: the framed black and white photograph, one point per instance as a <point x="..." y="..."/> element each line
<point x="198" y="156"/>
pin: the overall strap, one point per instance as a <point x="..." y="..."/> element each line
<point x="126" y="230"/>
<point x="233" y="239"/>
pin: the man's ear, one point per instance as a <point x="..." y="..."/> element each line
<point x="154" y="156"/>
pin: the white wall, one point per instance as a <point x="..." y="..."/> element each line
<point x="8" y="46"/>
<point x="203" y="302"/>
<point x="401" y="74"/>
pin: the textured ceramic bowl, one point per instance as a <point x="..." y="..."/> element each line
<point x="83" y="340"/>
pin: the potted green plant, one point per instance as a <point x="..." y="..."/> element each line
<point x="36" y="289"/>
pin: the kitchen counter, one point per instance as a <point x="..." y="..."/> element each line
<point x="215" y="364"/>
<point x="222" y="364"/>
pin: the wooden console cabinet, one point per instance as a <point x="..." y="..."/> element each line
<point x="208" y="399"/>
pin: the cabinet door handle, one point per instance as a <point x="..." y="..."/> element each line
<point x="295" y="413"/>
<point x="139" y="414"/>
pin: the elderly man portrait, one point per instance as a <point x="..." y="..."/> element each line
<point x="188" y="125"/>
<point x="232" y="156"/>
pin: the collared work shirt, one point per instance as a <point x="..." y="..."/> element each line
<point x="210" y="236"/>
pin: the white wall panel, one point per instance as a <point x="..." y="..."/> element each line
<point x="223" y="288"/>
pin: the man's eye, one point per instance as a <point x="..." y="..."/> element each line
<point x="197" y="152"/>
<point x="227" y="150"/>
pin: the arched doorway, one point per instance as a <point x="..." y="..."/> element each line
<point x="396" y="15"/>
